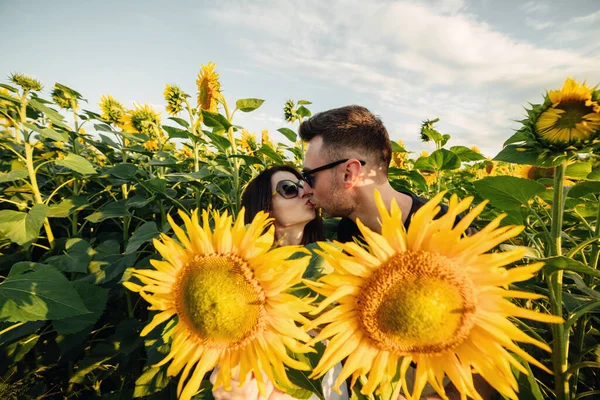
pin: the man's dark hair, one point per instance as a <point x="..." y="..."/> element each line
<point x="350" y="128"/>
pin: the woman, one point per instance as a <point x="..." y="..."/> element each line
<point x="279" y="191"/>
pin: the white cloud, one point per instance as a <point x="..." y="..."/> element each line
<point x="418" y="60"/>
<point x="535" y="7"/>
<point x="590" y="18"/>
<point x="538" y="24"/>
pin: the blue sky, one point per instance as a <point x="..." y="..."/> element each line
<point x="474" y="64"/>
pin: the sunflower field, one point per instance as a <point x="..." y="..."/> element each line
<point x="126" y="270"/>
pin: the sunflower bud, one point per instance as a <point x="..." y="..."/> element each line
<point x="26" y="82"/>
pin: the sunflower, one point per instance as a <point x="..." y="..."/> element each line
<point x="227" y="289"/>
<point x="65" y="97"/>
<point x="429" y="296"/>
<point x="209" y="88"/>
<point x="175" y="98"/>
<point x="151" y="145"/>
<point x="534" y="173"/>
<point x="265" y="140"/>
<point x="142" y="119"/>
<point x="289" y="111"/>
<point x="573" y="115"/>
<point x="248" y="141"/>
<point x="112" y="110"/>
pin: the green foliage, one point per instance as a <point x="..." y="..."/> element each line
<point x="79" y="210"/>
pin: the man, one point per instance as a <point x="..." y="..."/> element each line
<point x="346" y="160"/>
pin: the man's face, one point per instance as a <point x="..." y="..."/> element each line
<point x="327" y="191"/>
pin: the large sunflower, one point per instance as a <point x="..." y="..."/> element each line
<point x="209" y="88"/>
<point x="573" y="116"/>
<point x="227" y="289"/>
<point x="429" y="296"/>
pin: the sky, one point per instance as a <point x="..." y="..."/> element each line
<point x="473" y="64"/>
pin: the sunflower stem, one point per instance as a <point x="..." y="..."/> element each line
<point x="560" y="342"/>
<point x="589" y="280"/>
<point x="236" y="165"/>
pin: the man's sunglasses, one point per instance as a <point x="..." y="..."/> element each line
<point x="308" y="174"/>
<point x="288" y="189"/>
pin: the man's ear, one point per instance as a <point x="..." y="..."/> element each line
<point x="351" y="173"/>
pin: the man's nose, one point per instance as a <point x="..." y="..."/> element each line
<point x="306" y="190"/>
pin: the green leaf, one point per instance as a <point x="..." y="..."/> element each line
<point x="39" y="295"/>
<point x="53" y="115"/>
<point x="272" y="154"/>
<point x="303" y="112"/>
<point x="16" y="351"/>
<point x="21" y="227"/>
<point x="578" y="170"/>
<point x="146" y="232"/>
<point x="439" y="160"/>
<point x="180" y="121"/>
<point x="152" y="380"/>
<point x="466" y="154"/>
<point x="300" y="378"/>
<point x="104" y="128"/>
<point x="562" y="263"/>
<point x="123" y="171"/>
<point x="396" y="148"/>
<point x="94" y="298"/>
<point x="249" y="160"/>
<point x="443" y="160"/>
<point x="508" y="192"/>
<point x="247" y="105"/>
<point x="594" y="175"/>
<point x="157" y="184"/>
<point x="48" y="133"/>
<point x="77" y="164"/>
<point x="584" y="188"/>
<point x="528" y="386"/>
<point x="176" y="133"/>
<point x="220" y="142"/>
<point x="215" y="120"/>
<point x="525" y="155"/>
<point x="289" y="134"/>
<point x="111" y="210"/>
<point x="518" y="137"/>
<point x="303" y="102"/>
<point x="76" y="258"/>
<point x="13" y="175"/>
<point x="67" y="207"/>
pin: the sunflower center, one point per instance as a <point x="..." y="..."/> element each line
<point x="574" y="111"/>
<point x="418" y="302"/>
<point x="220" y="301"/>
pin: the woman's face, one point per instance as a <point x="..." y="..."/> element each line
<point x="289" y="212"/>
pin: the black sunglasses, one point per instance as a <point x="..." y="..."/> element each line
<point x="288" y="189"/>
<point x="307" y="174"/>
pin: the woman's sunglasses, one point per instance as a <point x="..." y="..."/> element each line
<point x="288" y="189"/>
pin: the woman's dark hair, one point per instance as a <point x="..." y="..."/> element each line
<point x="258" y="196"/>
